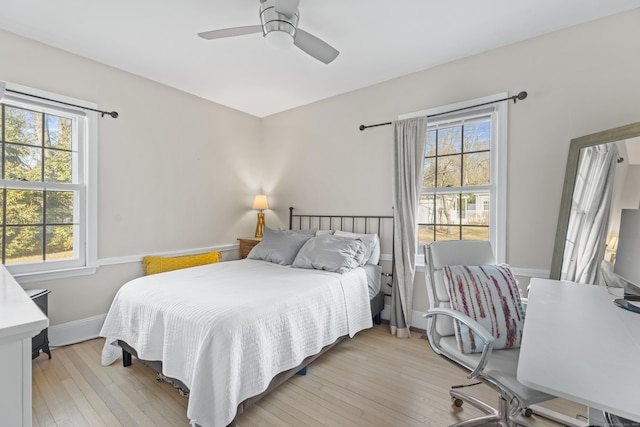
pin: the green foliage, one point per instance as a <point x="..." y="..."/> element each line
<point x="37" y="148"/>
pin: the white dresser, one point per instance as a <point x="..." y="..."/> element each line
<point x="20" y="320"/>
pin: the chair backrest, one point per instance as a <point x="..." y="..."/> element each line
<point x="454" y="252"/>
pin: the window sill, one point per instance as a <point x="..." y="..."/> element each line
<point x="53" y="274"/>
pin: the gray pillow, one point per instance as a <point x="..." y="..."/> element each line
<point x="331" y="253"/>
<point x="371" y="242"/>
<point x="280" y="246"/>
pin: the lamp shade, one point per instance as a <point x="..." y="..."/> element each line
<point x="260" y="202"/>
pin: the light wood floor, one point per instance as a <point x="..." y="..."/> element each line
<point x="373" y="379"/>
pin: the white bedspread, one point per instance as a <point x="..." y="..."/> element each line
<point x="225" y="330"/>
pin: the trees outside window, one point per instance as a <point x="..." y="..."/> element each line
<point x="456" y="173"/>
<point x="43" y="194"/>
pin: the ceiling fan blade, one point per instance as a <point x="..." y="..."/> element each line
<point x="231" y="32"/>
<point x="286" y="7"/>
<point x="315" y="47"/>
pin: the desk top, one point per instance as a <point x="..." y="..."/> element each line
<point x="19" y="316"/>
<point x="578" y="345"/>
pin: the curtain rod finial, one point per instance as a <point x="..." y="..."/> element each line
<point x="522" y="95"/>
<point x="362" y="127"/>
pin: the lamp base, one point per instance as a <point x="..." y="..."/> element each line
<point x="260" y="225"/>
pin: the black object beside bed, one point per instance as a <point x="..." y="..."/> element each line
<point x="381" y="225"/>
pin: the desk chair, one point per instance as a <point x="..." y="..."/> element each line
<point x="496" y="368"/>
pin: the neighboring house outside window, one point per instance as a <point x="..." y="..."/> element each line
<point x="464" y="180"/>
<point x="46" y="218"/>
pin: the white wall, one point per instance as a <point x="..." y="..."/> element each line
<point x="580" y="80"/>
<point x="175" y="172"/>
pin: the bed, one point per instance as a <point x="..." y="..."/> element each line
<point x="231" y="332"/>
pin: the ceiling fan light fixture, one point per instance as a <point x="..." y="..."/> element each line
<point x="279" y="39"/>
<point x="279" y="30"/>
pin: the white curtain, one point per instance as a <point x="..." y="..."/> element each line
<point x="591" y="202"/>
<point x="409" y="142"/>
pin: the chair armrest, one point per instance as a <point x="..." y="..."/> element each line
<point x="477" y="329"/>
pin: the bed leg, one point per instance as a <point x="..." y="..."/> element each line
<point x="302" y="371"/>
<point x="126" y="358"/>
<point x="377" y="319"/>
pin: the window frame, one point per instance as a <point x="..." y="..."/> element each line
<point x="498" y="159"/>
<point x="85" y="127"/>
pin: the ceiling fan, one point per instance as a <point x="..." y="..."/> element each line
<point x="279" y="20"/>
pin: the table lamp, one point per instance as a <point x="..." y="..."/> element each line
<point x="260" y="203"/>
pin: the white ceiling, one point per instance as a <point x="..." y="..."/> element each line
<point x="378" y="40"/>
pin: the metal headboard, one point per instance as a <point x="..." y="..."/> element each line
<point x="352" y="223"/>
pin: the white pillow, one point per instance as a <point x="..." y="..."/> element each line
<point x="371" y="241"/>
<point x="321" y="232"/>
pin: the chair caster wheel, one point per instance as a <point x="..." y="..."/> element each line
<point x="457" y="402"/>
<point x="527" y="412"/>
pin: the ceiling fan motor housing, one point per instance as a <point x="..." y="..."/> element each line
<point x="272" y="20"/>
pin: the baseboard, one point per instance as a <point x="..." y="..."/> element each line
<point x="417" y="317"/>
<point x="76" y="331"/>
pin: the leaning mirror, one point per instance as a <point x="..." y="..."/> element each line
<point x="602" y="173"/>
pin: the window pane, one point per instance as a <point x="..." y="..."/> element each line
<point x="476" y="208"/>
<point x="430" y="146"/>
<point x="449" y="171"/>
<point x="425" y="236"/>
<point x="57" y="166"/>
<point x="60" y="242"/>
<point x="475" y="233"/>
<point x="24" y="244"/>
<point x="477" y="168"/>
<point x="447" y="210"/>
<point x="23" y="126"/>
<point x="429" y="173"/>
<point x="426" y="209"/>
<point x="451" y="232"/>
<point x="57" y="132"/>
<point x="449" y="140"/>
<point x="24" y="207"/>
<point x="59" y="207"/>
<point x="477" y="136"/>
<point x="23" y="163"/>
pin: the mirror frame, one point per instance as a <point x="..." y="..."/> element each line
<point x="611" y="135"/>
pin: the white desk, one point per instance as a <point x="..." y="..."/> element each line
<point x="579" y="346"/>
<point x="20" y="319"/>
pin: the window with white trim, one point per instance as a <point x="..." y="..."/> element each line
<point x="46" y="218"/>
<point x="463" y="193"/>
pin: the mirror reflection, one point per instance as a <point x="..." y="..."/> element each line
<point x="602" y="173"/>
<point x="605" y="183"/>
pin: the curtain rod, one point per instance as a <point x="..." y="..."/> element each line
<point x="113" y="114"/>
<point x="521" y="95"/>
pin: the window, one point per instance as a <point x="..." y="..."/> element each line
<point x="45" y="218"/>
<point x="463" y="186"/>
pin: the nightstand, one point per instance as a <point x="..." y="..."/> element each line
<point x="246" y="244"/>
<point x="41" y="341"/>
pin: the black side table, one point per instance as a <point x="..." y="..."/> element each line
<point x="41" y="341"/>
